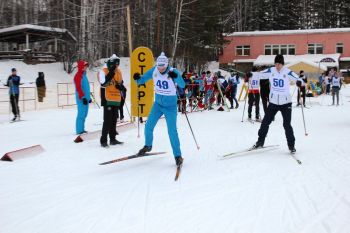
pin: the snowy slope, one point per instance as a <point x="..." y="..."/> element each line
<point x="65" y="190"/>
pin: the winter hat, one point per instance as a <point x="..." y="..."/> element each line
<point x="81" y="65"/>
<point x="162" y="60"/>
<point x="13" y="69"/>
<point x="113" y="60"/>
<point x="279" y="59"/>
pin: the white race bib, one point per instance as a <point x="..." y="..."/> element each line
<point x="163" y="84"/>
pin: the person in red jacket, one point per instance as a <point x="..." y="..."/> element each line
<point x="82" y="96"/>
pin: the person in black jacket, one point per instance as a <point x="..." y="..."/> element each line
<point x="41" y="87"/>
<point x="302" y="89"/>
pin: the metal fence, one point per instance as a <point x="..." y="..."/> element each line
<point x="66" y="94"/>
<point x="27" y="98"/>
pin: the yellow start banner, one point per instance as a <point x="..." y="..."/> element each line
<point x="141" y="96"/>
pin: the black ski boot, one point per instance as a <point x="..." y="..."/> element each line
<point x="257" y="145"/>
<point x="14" y="119"/>
<point x="104" y="145"/>
<point x="144" y="150"/>
<point x="292" y="149"/>
<point x="115" y="142"/>
<point x="179" y="160"/>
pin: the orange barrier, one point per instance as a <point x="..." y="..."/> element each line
<point x="23" y="153"/>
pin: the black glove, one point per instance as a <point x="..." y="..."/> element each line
<point x="172" y="74"/>
<point x="108" y="79"/>
<point x="112" y="68"/>
<point x="299" y="83"/>
<point x="118" y="86"/>
<point x="137" y="76"/>
<point x="85" y="101"/>
<point x="90" y="101"/>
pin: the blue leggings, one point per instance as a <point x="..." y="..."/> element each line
<point x="170" y="113"/>
<point x="82" y="114"/>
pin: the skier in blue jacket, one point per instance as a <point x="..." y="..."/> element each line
<point x="165" y="79"/>
<point x="13" y="83"/>
<point x="82" y="96"/>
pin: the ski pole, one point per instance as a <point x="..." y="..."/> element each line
<point x="302" y="112"/>
<point x="245" y="101"/>
<point x="294" y="91"/>
<point x="188" y="121"/>
<point x="127" y="109"/>
<point x="138" y="111"/>
<point x="94" y="100"/>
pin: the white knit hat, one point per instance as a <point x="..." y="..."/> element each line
<point x="162" y="60"/>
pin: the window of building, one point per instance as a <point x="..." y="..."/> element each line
<point x="315" y="48"/>
<point x="243" y="50"/>
<point x="275" y="49"/>
<point x="339" y="48"/>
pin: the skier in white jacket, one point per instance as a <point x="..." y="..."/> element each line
<point x="280" y="100"/>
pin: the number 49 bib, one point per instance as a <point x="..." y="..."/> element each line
<point x="163" y="84"/>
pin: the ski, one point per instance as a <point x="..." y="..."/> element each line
<point x="295" y="158"/>
<point x="134" y="156"/>
<point x="222" y="96"/>
<point x="265" y="148"/>
<point x="251" y="121"/>
<point x="178" y="171"/>
<point x="16" y="121"/>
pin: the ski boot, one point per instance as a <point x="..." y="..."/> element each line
<point x="104" y="145"/>
<point x="257" y="119"/>
<point x="179" y="160"/>
<point x="115" y="142"/>
<point x="292" y="149"/>
<point x="144" y="150"/>
<point x="257" y="145"/>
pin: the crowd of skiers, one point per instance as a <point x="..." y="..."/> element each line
<point x="175" y="91"/>
<point x="330" y="82"/>
<point x="203" y="91"/>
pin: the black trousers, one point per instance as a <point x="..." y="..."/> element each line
<point x="253" y="99"/>
<point x="264" y="94"/>
<point x="303" y="94"/>
<point x="14" y="104"/>
<point x="109" y="127"/>
<point x="286" y="111"/>
<point x="121" y="110"/>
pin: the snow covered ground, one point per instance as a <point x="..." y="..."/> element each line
<point x="65" y="190"/>
<point x="54" y="74"/>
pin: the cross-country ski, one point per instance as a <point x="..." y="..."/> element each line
<point x="134" y="156"/>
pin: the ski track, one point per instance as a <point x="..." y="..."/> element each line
<point x="65" y="190"/>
